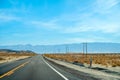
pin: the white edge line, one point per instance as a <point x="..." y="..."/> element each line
<point x="56" y="70"/>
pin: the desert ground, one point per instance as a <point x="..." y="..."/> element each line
<point x="108" y="60"/>
<point x="6" y="56"/>
<point x="104" y="66"/>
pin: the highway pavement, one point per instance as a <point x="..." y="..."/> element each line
<point x="34" y="68"/>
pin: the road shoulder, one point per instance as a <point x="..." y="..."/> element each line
<point x="84" y="72"/>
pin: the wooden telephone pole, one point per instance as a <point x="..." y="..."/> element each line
<point x="85" y="51"/>
<point x="67" y="49"/>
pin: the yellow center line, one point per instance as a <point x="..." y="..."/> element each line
<point x="13" y="70"/>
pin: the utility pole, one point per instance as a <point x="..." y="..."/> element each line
<point x="86" y="50"/>
<point x="67" y="49"/>
<point x="83" y="51"/>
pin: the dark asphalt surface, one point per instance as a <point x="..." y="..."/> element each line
<point x="36" y="69"/>
<point x="10" y="65"/>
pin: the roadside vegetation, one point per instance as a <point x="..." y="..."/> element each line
<point x="11" y="55"/>
<point x="107" y="60"/>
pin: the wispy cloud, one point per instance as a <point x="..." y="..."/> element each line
<point x="105" y="6"/>
<point x="44" y="24"/>
<point x="90" y="21"/>
<point x="78" y="40"/>
<point x="72" y="21"/>
<point x="85" y="22"/>
<point x="88" y="39"/>
<point x="8" y="18"/>
<point x="13" y="12"/>
<point x="93" y="26"/>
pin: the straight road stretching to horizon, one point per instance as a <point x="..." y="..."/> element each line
<point x="34" y="68"/>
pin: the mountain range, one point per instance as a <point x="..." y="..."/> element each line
<point x="69" y="48"/>
<point x="15" y="51"/>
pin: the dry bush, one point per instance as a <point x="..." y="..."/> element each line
<point x="17" y="54"/>
<point x="103" y="59"/>
<point x="2" y="58"/>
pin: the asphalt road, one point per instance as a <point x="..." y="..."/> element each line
<point x="37" y="68"/>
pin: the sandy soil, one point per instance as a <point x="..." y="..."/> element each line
<point x="12" y="58"/>
<point x="116" y="69"/>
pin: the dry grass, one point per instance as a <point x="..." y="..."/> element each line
<point x="16" y="54"/>
<point x="103" y="59"/>
<point x="11" y="56"/>
<point x="2" y="58"/>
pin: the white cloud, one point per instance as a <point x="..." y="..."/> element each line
<point x="88" y="39"/>
<point x="92" y="25"/>
<point x="90" y="21"/>
<point x="77" y="40"/>
<point x="105" y="6"/>
<point x="44" y="24"/>
<point x="77" y="22"/>
<point x="7" y="18"/>
<point x="88" y="25"/>
<point x="14" y="13"/>
<point x="109" y="28"/>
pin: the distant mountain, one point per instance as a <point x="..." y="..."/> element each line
<point x="7" y="50"/>
<point x="63" y="48"/>
<point x="15" y="51"/>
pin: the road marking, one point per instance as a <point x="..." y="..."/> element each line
<point x="13" y="70"/>
<point x="56" y="70"/>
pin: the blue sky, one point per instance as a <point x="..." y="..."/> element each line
<point x="59" y="21"/>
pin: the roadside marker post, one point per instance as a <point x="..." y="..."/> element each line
<point x="90" y="62"/>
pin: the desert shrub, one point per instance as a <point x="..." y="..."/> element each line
<point x="104" y="59"/>
<point x="2" y="58"/>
